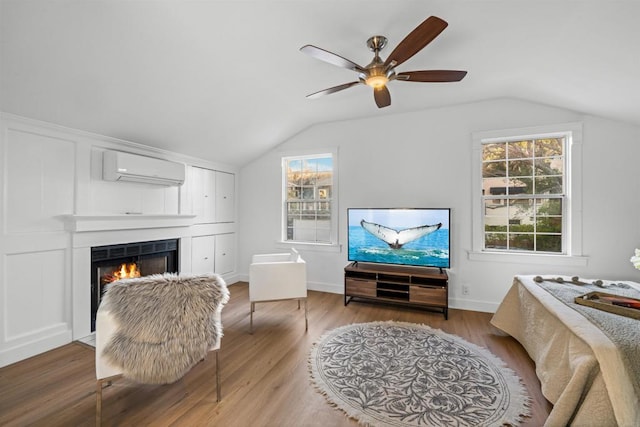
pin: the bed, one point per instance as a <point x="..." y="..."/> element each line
<point x="590" y="374"/>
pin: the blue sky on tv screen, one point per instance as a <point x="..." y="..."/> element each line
<point x="400" y="218"/>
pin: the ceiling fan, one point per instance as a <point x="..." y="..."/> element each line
<point x="378" y="72"/>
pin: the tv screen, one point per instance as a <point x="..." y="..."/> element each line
<point x="417" y="237"/>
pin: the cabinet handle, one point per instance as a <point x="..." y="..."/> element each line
<point x="224" y="197"/>
<point x="223" y="254"/>
<point x="206" y="257"/>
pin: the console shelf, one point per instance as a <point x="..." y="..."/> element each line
<point x="412" y="286"/>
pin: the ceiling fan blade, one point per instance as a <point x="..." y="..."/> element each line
<point x="421" y="36"/>
<point x="382" y="97"/>
<point x="331" y="58"/>
<point x="431" y="76"/>
<point x="332" y="90"/>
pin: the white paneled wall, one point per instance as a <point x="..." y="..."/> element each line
<point x="40" y="179"/>
<point x="56" y="206"/>
<point x="36" y="288"/>
<point x="38" y="182"/>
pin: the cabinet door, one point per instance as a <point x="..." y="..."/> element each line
<point x="203" y="195"/>
<point x="225" y="253"/>
<point x="225" y="200"/>
<point x="429" y="295"/>
<point x="365" y="288"/>
<point x="203" y="254"/>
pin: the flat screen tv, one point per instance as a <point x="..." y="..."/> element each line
<point x="416" y="237"/>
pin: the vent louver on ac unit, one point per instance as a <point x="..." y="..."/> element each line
<point x="121" y="166"/>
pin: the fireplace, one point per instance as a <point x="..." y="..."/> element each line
<point x="113" y="262"/>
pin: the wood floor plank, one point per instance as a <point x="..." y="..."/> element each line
<point x="265" y="377"/>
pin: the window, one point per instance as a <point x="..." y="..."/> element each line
<point x="525" y="200"/>
<point x="523" y="194"/>
<point x="309" y="199"/>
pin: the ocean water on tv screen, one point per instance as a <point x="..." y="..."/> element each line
<point x="431" y="250"/>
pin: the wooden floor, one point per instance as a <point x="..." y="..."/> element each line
<point x="265" y="379"/>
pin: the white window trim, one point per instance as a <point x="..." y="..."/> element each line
<point x="573" y="213"/>
<point x="334" y="246"/>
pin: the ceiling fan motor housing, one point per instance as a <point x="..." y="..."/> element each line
<point x="376" y="75"/>
<point x="377" y="43"/>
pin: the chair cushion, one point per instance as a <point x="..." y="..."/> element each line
<point x="165" y="324"/>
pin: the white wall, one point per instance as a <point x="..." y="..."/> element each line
<point x="54" y="208"/>
<point x="423" y="159"/>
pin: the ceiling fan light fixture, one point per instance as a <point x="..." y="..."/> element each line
<point x="377" y="81"/>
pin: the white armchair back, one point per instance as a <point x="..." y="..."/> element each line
<point x="274" y="277"/>
<point x="277" y="276"/>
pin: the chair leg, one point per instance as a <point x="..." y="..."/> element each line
<point x="253" y="308"/>
<point x="98" y="403"/>
<point x="218" y="396"/>
<point x="99" y="386"/>
<point x="298" y="304"/>
<point x="306" y="315"/>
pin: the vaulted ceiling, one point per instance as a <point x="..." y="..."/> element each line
<point x="225" y="80"/>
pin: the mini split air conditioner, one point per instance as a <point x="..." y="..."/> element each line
<point x="120" y="166"/>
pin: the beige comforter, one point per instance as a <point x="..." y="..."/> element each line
<point x="580" y="369"/>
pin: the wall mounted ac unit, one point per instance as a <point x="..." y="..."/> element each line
<point x="120" y="166"/>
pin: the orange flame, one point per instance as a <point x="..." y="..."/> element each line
<point x="126" y="271"/>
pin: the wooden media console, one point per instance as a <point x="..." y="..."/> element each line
<point x="414" y="286"/>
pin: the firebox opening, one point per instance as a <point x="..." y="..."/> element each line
<point x="114" y="262"/>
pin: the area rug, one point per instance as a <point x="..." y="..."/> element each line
<point x="405" y="374"/>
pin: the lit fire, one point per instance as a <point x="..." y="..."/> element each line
<point x="126" y="271"/>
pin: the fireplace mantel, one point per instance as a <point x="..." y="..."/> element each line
<point x="88" y="223"/>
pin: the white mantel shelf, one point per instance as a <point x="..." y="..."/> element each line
<point x="87" y="223"/>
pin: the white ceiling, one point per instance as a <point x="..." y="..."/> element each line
<point x="225" y="81"/>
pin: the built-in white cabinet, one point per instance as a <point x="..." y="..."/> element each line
<point x="213" y="196"/>
<point x="225" y="253"/>
<point x="225" y="197"/>
<point x="213" y="200"/>
<point x="203" y="254"/>
<point x="203" y="194"/>
<point x="213" y="253"/>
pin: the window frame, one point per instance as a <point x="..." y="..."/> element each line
<point x="572" y="201"/>
<point x="333" y="232"/>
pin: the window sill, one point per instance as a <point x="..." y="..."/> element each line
<point x="537" y="259"/>
<point x="314" y="247"/>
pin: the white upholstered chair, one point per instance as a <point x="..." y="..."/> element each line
<point x="202" y="299"/>
<point x="274" y="277"/>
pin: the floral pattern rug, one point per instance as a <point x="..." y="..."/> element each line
<point x="405" y="374"/>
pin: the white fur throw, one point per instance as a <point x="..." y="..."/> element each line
<point x="166" y="324"/>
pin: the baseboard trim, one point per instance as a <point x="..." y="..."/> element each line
<point x="325" y="287"/>
<point x="33" y="348"/>
<point x="473" y="305"/>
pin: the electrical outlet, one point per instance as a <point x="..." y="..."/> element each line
<point x="465" y="289"/>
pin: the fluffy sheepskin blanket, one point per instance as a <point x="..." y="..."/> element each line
<point x="166" y="324"/>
